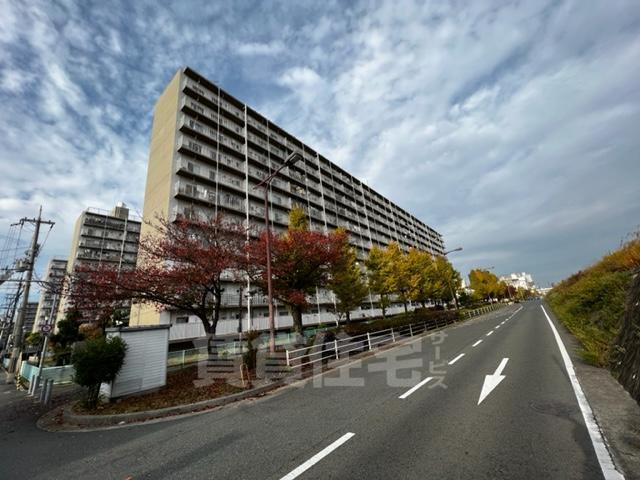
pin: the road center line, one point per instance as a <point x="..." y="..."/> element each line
<point x="477" y="343"/>
<point x="597" y="439"/>
<point x="489" y="333"/>
<point x="497" y="327"/>
<point x="413" y="389"/>
<point x="317" y="457"/>
<point x="456" y="359"/>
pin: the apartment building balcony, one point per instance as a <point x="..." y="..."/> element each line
<point x="257" y="157"/>
<point x="212" y="98"/>
<point x="231" y="135"/>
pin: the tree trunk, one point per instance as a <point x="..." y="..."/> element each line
<point x="210" y="326"/>
<point x="348" y="317"/>
<point x="625" y="355"/>
<point x="404" y="303"/>
<point x="296" y="313"/>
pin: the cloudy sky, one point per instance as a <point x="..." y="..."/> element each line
<point x="513" y="128"/>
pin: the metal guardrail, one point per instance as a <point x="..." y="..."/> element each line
<point x="301" y="357"/>
<point x="181" y="358"/>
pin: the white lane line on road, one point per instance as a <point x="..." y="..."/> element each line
<point x="497" y="327"/>
<point x="413" y="389"/>
<point x="597" y="439"/>
<point x="477" y="343"/>
<point x="456" y="359"/>
<point x="489" y="333"/>
<point x="317" y="457"/>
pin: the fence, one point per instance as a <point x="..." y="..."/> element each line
<point x="338" y="348"/>
<point x="57" y="374"/>
<point x="182" y="358"/>
<point x="481" y="311"/>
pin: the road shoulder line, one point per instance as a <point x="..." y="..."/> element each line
<point x="607" y="466"/>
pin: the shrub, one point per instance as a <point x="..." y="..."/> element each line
<point x="590" y="303"/>
<point x="96" y="361"/>
<point x="431" y="317"/>
<point x="33" y="339"/>
<point x="68" y="334"/>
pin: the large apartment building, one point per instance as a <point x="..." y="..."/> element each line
<point x="208" y="150"/>
<point x="103" y="237"/>
<point x="50" y="292"/>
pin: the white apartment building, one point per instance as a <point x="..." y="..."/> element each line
<point x="208" y="150"/>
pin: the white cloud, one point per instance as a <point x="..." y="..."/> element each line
<point x="510" y="128"/>
<point x="257" y="48"/>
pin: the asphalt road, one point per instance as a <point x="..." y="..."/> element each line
<point x="352" y="423"/>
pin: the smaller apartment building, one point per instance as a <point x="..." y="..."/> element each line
<point x="50" y="292"/>
<point x="103" y="237"/>
<point x="29" y="316"/>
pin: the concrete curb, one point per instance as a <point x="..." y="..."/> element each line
<point x="119" y="418"/>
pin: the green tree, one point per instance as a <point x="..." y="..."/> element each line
<point x="298" y="219"/>
<point x="347" y="282"/>
<point x="68" y="334"/>
<point x="33" y="339"/>
<point x="396" y="267"/>
<point x="448" y="279"/>
<point x="421" y="276"/>
<point x="428" y="282"/>
<point x="376" y="277"/>
<point x="485" y="284"/>
<point x="97" y="361"/>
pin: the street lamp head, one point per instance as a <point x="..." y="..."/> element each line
<point x="292" y="159"/>
<point x="454" y="250"/>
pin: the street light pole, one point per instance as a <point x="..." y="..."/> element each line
<point x="291" y="159"/>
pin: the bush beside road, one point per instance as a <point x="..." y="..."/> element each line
<point x="592" y="304"/>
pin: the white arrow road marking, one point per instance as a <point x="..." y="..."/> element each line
<point x="317" y="457"/>
<point x="492" y="381"/>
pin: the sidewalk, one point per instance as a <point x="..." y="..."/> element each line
<point x="19" y="411"/>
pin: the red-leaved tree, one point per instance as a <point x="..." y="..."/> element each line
<point x="180" y="266"/>
<point x="301" y="260"/>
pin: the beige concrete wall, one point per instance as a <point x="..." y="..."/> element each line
<point x="158" y="189"/>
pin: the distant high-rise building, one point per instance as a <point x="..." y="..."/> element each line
<point x="50" y="292"/>
<point x="103" y="237"/>
<point x="29" y="316"/>
<point x="519" y="280"/>
<point x="208" y="150"/>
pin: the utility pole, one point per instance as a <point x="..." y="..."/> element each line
<point x="8" y="326"/>
<point x="17" y="328"/>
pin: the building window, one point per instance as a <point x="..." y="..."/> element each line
<point x="180" y="320"/>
